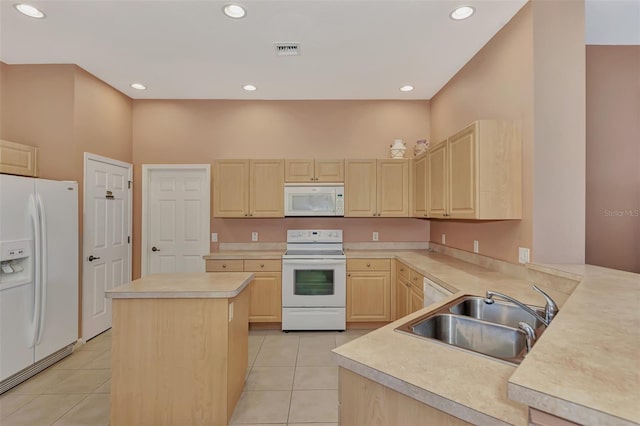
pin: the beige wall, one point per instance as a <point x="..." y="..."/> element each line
<point x="64" y="111"/>
<point x="613" y="157"/>
<point x="174" y="131"/>
<point x="496" y="83"/>
<point x="559" y="128"/>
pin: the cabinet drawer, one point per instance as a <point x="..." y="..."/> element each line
<point x="368" y="264"/>
<point x="403" y="271"/>
<point x="224" y="265"/>
<point x="416" y="281"/>
<point x="256" y="265"/>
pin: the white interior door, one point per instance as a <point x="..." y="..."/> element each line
<point x="106" y="238"/>
<point x="175" y="218"/>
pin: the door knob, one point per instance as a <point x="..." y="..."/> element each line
<point x="91" y="258"/>
<point x="154" y="248"/>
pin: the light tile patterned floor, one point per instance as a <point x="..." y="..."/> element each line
<point x="291" y="380"/>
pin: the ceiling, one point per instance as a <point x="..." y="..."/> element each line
<point x="350" y="49"/>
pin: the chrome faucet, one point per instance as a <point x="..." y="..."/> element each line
<point x="530" y="332"/>
<point x="550" y="307"/>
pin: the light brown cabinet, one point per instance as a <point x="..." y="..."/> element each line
<point x="420" y="187"/>
<point x="265" y="291"/>
<point x="377" y="188"/>
<point x="248" y="188"/>
<point x="477" y="173"/>
<point x="368" y="290"/>
<point x="409" y="292"/>
<point x="18" y="159"/>
<point x="309" y="171"/>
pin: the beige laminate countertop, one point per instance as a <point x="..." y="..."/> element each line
<point x="585" y="367"/>
<point x="211" y="285"/>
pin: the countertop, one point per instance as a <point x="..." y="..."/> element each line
<point x="211" y="285"/>
<point x="245" y="254"/>
<point x="585" y="367"/>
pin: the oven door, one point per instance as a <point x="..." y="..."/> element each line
<point x="314" y="282"/>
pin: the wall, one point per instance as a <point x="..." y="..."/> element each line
<point x="496" y="83"/>
<point x="613" y="157"/>
<point x="64" y="111"/>
<point x="201" y="131"/>
<point x="533" y="71"/>
<point x="559" y="128"/>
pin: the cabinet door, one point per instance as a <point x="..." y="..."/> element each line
<point x="18" y="159"/>
<point x="329" y="170"/>
<point x="420" y="187"/>
<point x="266" y="297"/>
<point x="402" y="298"/>
<point x="461" y="175"/>
<point x="267" y="188"/>
<point x="393" y="188"/>
<point x="231" y="188"/>
<point x="368" y="296"/>
<point x="437" y="181"/>
<point x="360" y="188"/>
<point x="299" y="171"/>
<point x="416" y="299"/>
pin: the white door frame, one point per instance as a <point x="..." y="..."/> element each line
<point x="146" y="169"/>
<point x="95" y="157"/>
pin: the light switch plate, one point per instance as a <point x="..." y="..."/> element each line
<point x="254" y="236"/>
<point x="476" y="246"/>
<point x="375" y="236"/>
<point x="523" y="255"/>
<point x="214" y="237"/>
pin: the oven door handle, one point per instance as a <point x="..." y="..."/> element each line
<point x="314" y="261"/>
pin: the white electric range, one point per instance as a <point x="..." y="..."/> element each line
<point x="314" y="281"/>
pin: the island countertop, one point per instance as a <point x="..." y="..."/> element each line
<point x="211" y="285"/>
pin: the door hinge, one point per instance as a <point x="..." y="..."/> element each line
<point x="129" y="184"/>
<point x="128" y="240"/>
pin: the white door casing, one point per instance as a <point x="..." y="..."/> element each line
<point x="175" y="217"/>
<point x="106" y="238"/>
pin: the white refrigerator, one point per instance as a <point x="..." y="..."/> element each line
<point x="38" y="275"/>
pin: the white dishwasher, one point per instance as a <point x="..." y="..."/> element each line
<point x="433" y="292"/>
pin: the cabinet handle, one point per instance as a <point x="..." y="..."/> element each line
<point x="310" y="178"/>
<point x="415" y="278"/>
<point x="262" y="265"/>
<point x="368" y="265"/>
<point x="224" y="265"/>
<point x="374" y="214"/>
<point x="348" y="275"/>
<point x="246" y="214"/>
<point x="401" y="269"/>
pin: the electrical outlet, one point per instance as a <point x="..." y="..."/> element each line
<point x="375" y="236"/>
<point x="476" y="246"/>
<point x="444" y="239"/>
<point x="214" y="237"/>
<point x="523" y="255"/>
<point x="254" y="236"/>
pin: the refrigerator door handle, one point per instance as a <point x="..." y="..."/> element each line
<point x="43" y="268"/>
<point x="33" y="212"/>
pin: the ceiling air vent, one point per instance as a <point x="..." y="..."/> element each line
<point x="287" y="49"/>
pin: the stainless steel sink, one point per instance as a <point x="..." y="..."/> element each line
<point x="486" y="338"/>
<point x="498" y="312"/>
<point x="471" y="324"/>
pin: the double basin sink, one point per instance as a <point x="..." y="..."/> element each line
<point x="470" y="323"/>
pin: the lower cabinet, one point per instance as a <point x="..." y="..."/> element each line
<point x="409" y="293"/>
<point x="365" y="402"/>
<point x="265" y="291"/>
<point x="368" y="290"/>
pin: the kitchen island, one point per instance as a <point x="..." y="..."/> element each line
<point x="179" y="351"/>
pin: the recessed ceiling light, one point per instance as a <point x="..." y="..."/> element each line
<point x="406" y="88"/>
<point x="249" y="87"/>
<point x="462" y="12"/>
<point x="138" y="86"/>
<point x="234" y="11"/>
<point x="30" y="11"/>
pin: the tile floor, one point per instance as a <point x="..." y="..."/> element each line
<point x="291" y="380"/>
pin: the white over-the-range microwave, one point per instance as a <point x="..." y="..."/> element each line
<point x="314" y="199"/>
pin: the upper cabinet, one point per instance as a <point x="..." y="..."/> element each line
<point x="477" y="173"/>
<point x="377" y="188"/>
<point x="18" y="159"/>
<point x="248" y="188"/>
<point x="420" y="187"/>
<point x="310" y="171"/>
